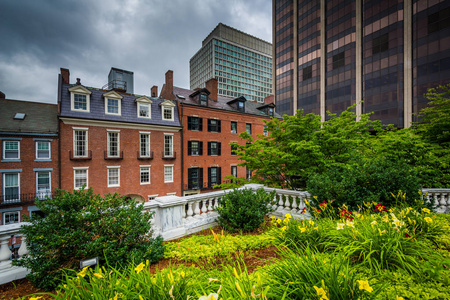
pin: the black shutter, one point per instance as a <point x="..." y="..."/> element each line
<point x="200" y="178"/>
<point x="200" y="148"/>
<point x="219" y="148"/>
<point x="190" y="179"/>
<point x="189" y="147"/>
<point x="218" y="125"/>
<point x="209" y="177"/>
<point x="209" y="125"/>
<point x="189" y="123"/>
<point x="200" y="124"/>
<point x="209" y="148"/>
<point x="219" y="175"/>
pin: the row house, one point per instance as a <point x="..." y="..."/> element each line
<point x="210" y="123"/>
<point x="117" y="142"/>
<point x="29" y="157"/>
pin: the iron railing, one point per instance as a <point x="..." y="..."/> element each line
<point x="118" y="85"/>
<point x="23" y="198"/>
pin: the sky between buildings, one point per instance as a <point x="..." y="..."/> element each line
<point x="147" y="37"/>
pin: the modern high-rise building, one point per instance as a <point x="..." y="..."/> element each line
<point x="381" y="55"/>
<point x="240" y="62"/>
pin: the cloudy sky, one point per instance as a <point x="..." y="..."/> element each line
<point x="147" y="37"/>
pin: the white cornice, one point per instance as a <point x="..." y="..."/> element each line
<point x="79" y="89"/>
<point x="112" y="95"/>
<point x="143" y="99"/>
<point x="83" y="122"/>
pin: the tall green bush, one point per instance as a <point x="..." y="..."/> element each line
<point x="244" y="210"/>
<point x="82" y="225"/>
<point x="366" y="181"/>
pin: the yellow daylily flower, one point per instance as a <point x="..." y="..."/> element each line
<point x="140" y="297"/>
<point x="287" y="216"/>
<point x="212" y="296"/>
<point x="98" y="275"/>
<point x="428" y="219"/>
<point x="399" y="298"/>
<point x="302" y="229"/>
<point x="284" y="228"/>
<point x="364" y="285"/>
<point x="340" y="226"/>
<point x="426" y="210"/>
<point x="83" y="272"/>
<point x="321" y="292"/>
<point x="139" y="268"/>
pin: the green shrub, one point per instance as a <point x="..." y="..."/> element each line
<point x="367" y="181"/>
<point x="82" y="225"/>
<point x="244" y="210"/>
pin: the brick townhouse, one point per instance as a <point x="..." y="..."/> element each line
<point x="29" y="156"/>
<point x="210" y="123"/>
<point x="115" y="141"/>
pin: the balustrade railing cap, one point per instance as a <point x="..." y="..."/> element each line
<point x="11" y="229"/>
<point x="169" y="200"/>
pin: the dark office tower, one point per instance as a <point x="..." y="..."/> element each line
<point x="381" y="55"/>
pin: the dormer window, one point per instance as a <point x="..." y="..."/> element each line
<point x="144" y="108"/>
<point x="80" y="98"/>
<point x="270" y="111"/>
<point x="267" y="109"/>
<point x="241" y="106"/>
<point x="203" y="99"/>
<point x="238" y="103"/>
<point x="167" y="110"/>
<point x="113" y="103"/>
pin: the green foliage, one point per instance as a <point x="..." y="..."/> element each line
<point x="244" y="210"/>
<point x="366" y="181"/>
<point x="218" y="244"/>
<point x="82" y="225"/>
<point x="232" y="182"/>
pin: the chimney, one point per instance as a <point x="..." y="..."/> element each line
<point x="168" y="86"/>
<point x="154" y="91"/>
<point x="211" y="86"/>
<point x="269" y="99"/>
<point x="65" y="75"/>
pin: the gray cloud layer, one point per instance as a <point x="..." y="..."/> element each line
<point x="147" y="37"/>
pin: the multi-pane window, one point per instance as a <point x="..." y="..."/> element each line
<point x="248" y="173"/>
<point x="248" y="127"/>
<point x="234" y="171"/>
<point x="234" y="127"/>
<point x="11" y="187"/>
<point x="113" y="144"/>
<point x="214" y="175"/>
<point x="143" y="110"/>
<point x="113" y="106"/>
<point x="80" y="142"/>
<point x="11" y="217"/>
<point x="265" y="131"/>
<point x="233" y="150"/>
<point x="195" y="148"/>
<point x="42" y="150"/>
<point x="80" y="178"/>
<point x="195" y="123"/>
<point x="113" y="176"/>
<point x="195" y="178"/>
<point x="203" y="99"/>
<point x="168" y="113"/>
<point x="213" y="125"/>
<point x="338" y="60"/>
<point x="79" y="102"/>
<point x="145" y="145"/>
<point x="168" y="173"/>
<point x="145" y="174"/>
<point x="43" y="187"/>
<point x="11" y="150"/>
<point x="214" y="148"/>
<point x="241" y="106"/>
<point x="380" y="44"/>
<point x="168" y="145"/>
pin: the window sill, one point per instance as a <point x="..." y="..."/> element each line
<point x="145" y="183"/>
<point x="11" y="160"/>
<point x="42" y="160"/>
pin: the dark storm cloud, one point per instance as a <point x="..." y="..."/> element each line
<point x="90" y="37"/>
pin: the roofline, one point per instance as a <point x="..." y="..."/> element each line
<point x="221" y="24"/>
<point x="27" y="133"/>
<point x="226" y="110"/>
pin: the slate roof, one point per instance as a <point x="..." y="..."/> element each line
<point x="39" y="117"/>
<point x="222" y="103"/>
<point x="128" y="110"/>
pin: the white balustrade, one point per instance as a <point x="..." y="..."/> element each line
<point x="439" y="198"/>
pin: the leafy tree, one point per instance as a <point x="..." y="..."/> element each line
<point x="82" y="225"/>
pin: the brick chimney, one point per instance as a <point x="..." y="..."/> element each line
<point x="167" y="90"/>
<point x="211" y="86"/>
<point x="2" y="95"/>
<point x="269" y="99"/>
<point x="154" y="91"/>
<point x="65" y="75"/>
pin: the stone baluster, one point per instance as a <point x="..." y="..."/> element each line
<point x="280" y="203"/>
<point x="23" y="247"/>
<point x="216" y="203"/>
<point x="287" y="203"/>
<point x="197" y="210"/>
<point x="436" y="201"/>
<point x="294" y="209"/>
<point x="210" y="206"/>
<point x="444" y="201"/>
<point x="190" y="211"/>
<point x="5" y="253"/>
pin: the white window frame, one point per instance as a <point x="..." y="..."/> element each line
<point x="75" y="129"/>
<point x="149" y="173"/>
<point x="80" y="90"/>
<point x="49" y="150"/>
<point x="265" y="130"/>
<point x="167" y="105"/>
<point x="170" y="144"/>
<point x="108" y="138"/>
<point x="141" y="133"/>
<point x="171" y="194"/>
<point x="144" y="101"/>
<point x="4" y="150"/>
<point x="10" y="212"/>
<point x="4" y="187"/>
<point x="112" y="95"/>
<point x="168" y="178"/>
<point x="41" y="195"/>
<point x="118" y="176"/>
<point x="75" y="169"/>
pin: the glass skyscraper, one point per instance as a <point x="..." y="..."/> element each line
<point x="381" y="55"/>
<point x="241" y="63"/>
